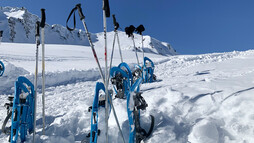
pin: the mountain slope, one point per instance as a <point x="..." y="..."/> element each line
<point x="18" y="25"/>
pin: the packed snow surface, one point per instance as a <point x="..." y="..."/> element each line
<point x="196" y="99"/>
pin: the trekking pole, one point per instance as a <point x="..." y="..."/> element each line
<point x="116" y="24"/>
<point x="82" y="18"/>
<point x="113" y="47"/>
<point x="37" y="40"/>
<point x="129" y="31"/>
<point x="42" y="25"/>
<point x="106" y="13"/>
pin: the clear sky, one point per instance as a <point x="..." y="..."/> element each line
<point x="190" y="26"/>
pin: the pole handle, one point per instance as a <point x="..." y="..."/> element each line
<point x="81" y="15"/>
<point x="37" y="31"/>
<point x="1" y="33"/>
<point x="114" y="19"/>
<point x="106" y="8"/>
<point x="43" y="18"/>
<point x="116" y="24"/>
<point x="140" y="29"/>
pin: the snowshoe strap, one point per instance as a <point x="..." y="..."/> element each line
<point x="151" y="127"/>
<point x="140" y="102"/>
<point x="8" y="129"/>
<point x="101" y="103"/>
<point x="141" y="133"/>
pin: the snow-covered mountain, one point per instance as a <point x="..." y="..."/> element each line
<point x="18" y="25"/>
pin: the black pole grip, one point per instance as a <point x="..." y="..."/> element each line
<point x="116" y="24"/>
<point x="1" y="33"/>
<point x="114" y="19"/>
<point x="140" y="29"/>
<point x="43" y="18"/>
<point x="37" y="30"/>
<point x="106" y="8"/>
<point x="81" y="15"/>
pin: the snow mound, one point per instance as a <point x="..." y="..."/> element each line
<point x="67" y="77"/>
<point x="10" y="75"/>
<point x="204" y="131"/>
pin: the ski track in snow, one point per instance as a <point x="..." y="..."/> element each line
<point x="197" y="98"/>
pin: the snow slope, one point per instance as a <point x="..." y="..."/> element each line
<point x="197" y="98"/>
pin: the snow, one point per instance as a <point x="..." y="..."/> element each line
<point x="15" y="14"/>
<point x="197" y="99"/>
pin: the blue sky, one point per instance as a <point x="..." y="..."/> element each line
<point x="190" y="26"/>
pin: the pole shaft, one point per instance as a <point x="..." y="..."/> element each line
<point x="135" y="48"/>
<point x="143" y="48"/>
<point x="35" y="85"/>
<point x="43" y="78"/>
<point x="112" y="55"/>
<point x="120" y="51"/>
<point x="93" y="50"/>
<point x="106" y="73"/>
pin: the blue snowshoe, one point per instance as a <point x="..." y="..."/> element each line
<point x="2" y="68"/>
<point x="135" y="103"/>
<point x="97" y="113"/>
<point x="22" y="110"/>
<point x="121" y="78"/>
<point x="148" y="71"/>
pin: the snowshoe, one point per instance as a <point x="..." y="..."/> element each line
<point x="1" y="68"/>
<point x="135" y="103"/>
<point x="98" y="111"/>
<point x="148" y="71"/>
<point x="22" y="110"/>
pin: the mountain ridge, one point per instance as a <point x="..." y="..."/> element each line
<point x="18" y="25"/>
